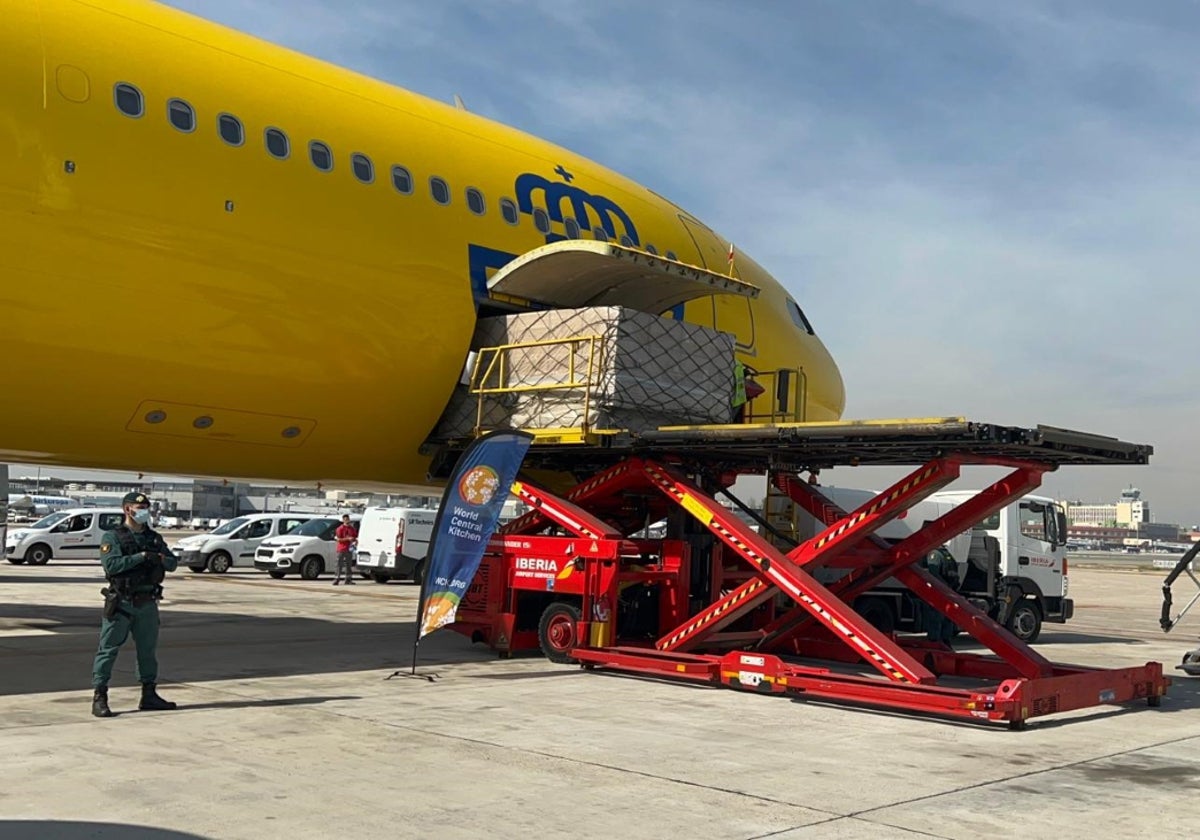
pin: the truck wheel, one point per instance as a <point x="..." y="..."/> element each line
<point x="38" y="555"/>
<point x="275" y="573"/>
<point x="379" y="577"/>
<point x="878" y="613"/>
<point x="16" y="561"/>
<point x="311" y="567"/>
<point x="558" y="632"/>
<point x="418" y="572"/>
<point x="219" y="563"/>
<point x="1025" y="622"/>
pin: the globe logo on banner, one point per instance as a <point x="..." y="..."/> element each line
<point x="478" y="486"/>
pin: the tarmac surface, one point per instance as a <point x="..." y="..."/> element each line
<point x="287" y="728"/>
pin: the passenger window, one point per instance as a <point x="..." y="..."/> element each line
<point x="440" y="190"/>
<point x="572" y="227"/>
<point x="508" y="209"/>
<point x="230" y="129"/>
<point x="650" y="249"/>
<point x="181" y="115"/>
<point x="599" y="234"/>
<point x="129" y="100"/>
<point x="109" y="521"/>
<point x="402" y="180"/>
<point x="671" y="256"/>
<point x="475" y="202"/>
<point x="258" y="529"/>
<point x="364" y="170"/>
<point x="626" y="241"/>
<point x="320" y="155"/>
<point x="286" y="526"/>
<point x="81" y="522"/>
<point x="277" y="143"/>
<point x="541" y="220"/>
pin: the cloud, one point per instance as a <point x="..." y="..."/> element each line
<point x="985" y="208"/>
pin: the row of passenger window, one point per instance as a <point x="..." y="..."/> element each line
<point x="182" y="116"/>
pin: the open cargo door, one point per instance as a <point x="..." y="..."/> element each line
<point x="576" y="273"/>
<point x="729" y="314"/>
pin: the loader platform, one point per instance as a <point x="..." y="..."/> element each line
<point x="716" y="602"/>
<point x="758" y="447"/>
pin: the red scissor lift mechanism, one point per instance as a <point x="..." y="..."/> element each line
<point x="596" y="561"/>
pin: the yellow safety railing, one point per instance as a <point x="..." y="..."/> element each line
<point x="494" y="373"/>
<point x="783" y="400"/>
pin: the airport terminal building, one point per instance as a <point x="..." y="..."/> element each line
<point x="212" y="500"/>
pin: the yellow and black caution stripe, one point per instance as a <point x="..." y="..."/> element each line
<point x="854" y="638"/>
<point x="595" y="481"/>
<point x="805" y="599"/>
<point x="876" y="505"/>
<point x="553" y="513"/>
<point x="702" y="620"/>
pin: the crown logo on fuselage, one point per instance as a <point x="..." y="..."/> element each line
<point x="583" y="207"/>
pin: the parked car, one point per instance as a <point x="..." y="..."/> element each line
<point x="64" y="535"/>
<point x="234" y="543"/>
<point x="309" y="550"/>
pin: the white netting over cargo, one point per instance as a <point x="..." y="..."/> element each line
<point x="599" y="367"/>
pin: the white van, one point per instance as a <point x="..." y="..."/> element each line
<point x="235" y="542"/>
<point x="65" y="535"/>
<point x="309" y="550"/>
<point x="393" y="542"/>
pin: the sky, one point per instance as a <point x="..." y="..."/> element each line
<point x="986" y="209"/>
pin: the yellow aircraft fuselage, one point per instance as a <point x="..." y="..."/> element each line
<point x="196" y="298"/>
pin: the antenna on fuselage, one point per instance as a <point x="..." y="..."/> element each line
<point x="458" y="103"/>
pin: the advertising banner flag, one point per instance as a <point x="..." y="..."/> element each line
<point x="466" y="520"/>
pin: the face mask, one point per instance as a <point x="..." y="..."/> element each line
<point x="141" y="516"/>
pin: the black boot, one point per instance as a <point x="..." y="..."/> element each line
<point x="100" y="703"/>
<point x="151" y="702"/>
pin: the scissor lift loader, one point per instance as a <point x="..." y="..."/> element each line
<point x="716" y="602"/>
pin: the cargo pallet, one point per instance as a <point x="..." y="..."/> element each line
<point x="715" y="602"/>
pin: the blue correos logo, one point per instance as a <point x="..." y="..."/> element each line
<point x="585" y="208"/>
<point x="582" y="205"/>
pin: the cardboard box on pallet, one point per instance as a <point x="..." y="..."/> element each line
<point x="647" y="371"/>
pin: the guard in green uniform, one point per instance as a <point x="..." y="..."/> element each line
<point x="135" y="560"/>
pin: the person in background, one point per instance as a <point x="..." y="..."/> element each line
<point x="346" y="538"/>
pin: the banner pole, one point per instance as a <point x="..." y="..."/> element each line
<point x="420" y="613"/>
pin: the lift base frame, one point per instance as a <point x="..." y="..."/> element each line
<point x="779" y="630"/>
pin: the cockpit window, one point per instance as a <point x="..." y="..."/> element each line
<point x="798" y="317"/>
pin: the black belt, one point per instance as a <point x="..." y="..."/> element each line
<point x="137" y="598"/>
